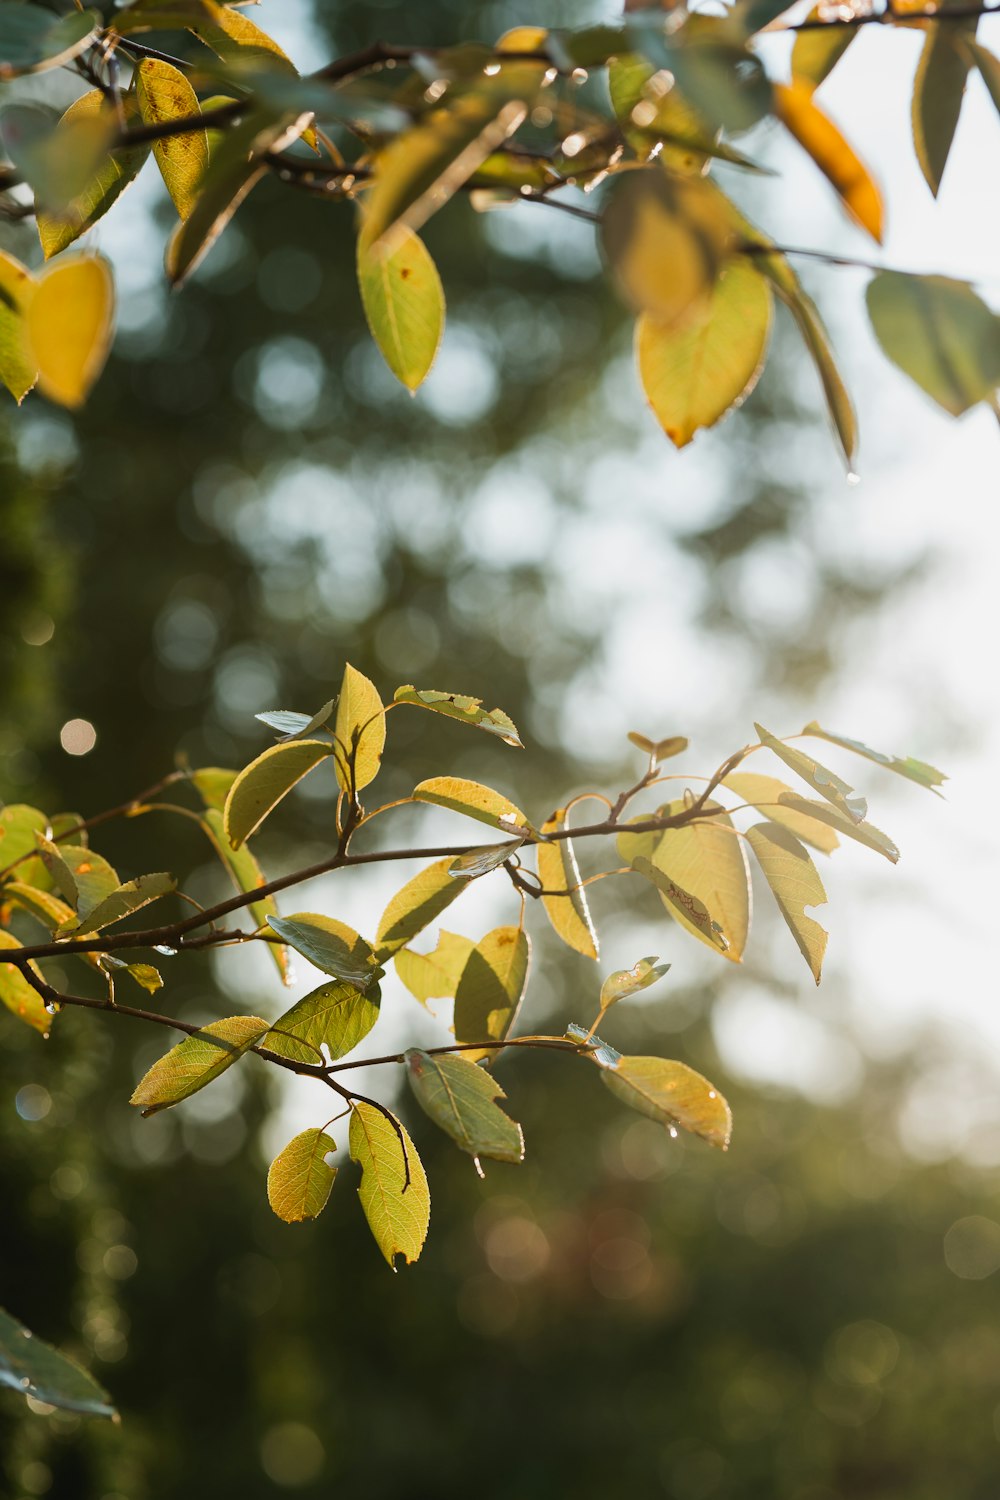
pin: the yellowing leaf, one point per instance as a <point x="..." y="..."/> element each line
<point x="212" y="784"/>
<point x="688" y="910"/>
<point x="763" y="792"/>
<point x="940" y="334"/>
<point x="938" y="90"/>
<point x="331" y="945"/>
<point x="299" y="1179"/>
<point x="241" y="863"/>
<point x="165" y="94"/>
<point x="403" y="300"/>
<point x="393" y="1189"/>
<point x="827" y="783"/>
<point x="32" y="39"/>
<point x="469" y="797"/>
<point x="122" y="902"/>
<point x="262" y="784"/>
<point x="435" y="975"/>
<point x="18" y="995"/>
<point x="48" y="909"/>
<point x="459" y="1096"/>
<point x="359" y="731"/>
<point x="19" y="825"/>
<point x="93" y="878"/>
<point x="466" y="710"/>
<point x="413" y="908"/>
<point x="336" y="1015"/>
<point x="622" y="982"/>
<point x="234" y="36"/>
<point x="815" y="53"/>
<point x="673" y="1094"/>
<point x="146" y="977"/>
<point x="835" y="157"/>
<point x="914" y="770"/>
<point x="693" y="375"/>
<point x="69" y="323"/>
<point x="86" y="126"/>
<point x="863" y="833"/>
<point x="197" y="1061"/>
<point x="17" y="368"/>
<point x="491" y="987"/>
<point x="795" y="882"/>
<point x="707" y="864"/>
<point x="564" y="899"/>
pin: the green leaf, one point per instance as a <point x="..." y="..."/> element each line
<point x="827" y="783"/>
<point x="164" y="94"/>
<point x="19" y="824"/>
<point x="862" y="833"/>
<point x="673" y="1094"/>
<point x="336" y="1015"/>
<point x="18" y="995"/>
<point x="764" y="792"/>
<point x="660" y="122"/>
<point x="122" y="902"/>
<point x="245" y="871"/>
<point x="299" y="1180"/>
<point x="404" y="304"/>
<point x="564" y="899"/>
<point x="795" y="883"/>
<point x="33" y="1368"/>
<point x="212" y="784"/>
<point x="92" y="876"/>
<point x="330" y="945"/>
<point x="197" y="1061"/>
<point x="17" y="368"/>
<point x="69" y="324"/>
<point x="61" y="875"/>
<point x="832" y="153"/>
<point x="262" y="784"/>
<point x="687" y="909"/>
<point x="694" y="375"/>
<point x="938" y="90"/>
<point x="359" y="731"/>
<point x="435" y="975"/>
<point x="940" y="334"/>
<point x="33" y="39"/>
<point x="658" y="750"/>
<point x="459" y="1096"/>
<point x="476" y="801"/>
<point x="393" y="1189"/>
<point x="491" y="988"/>
<point x="707" y="865"/>
<point x="413" y="908"/>
<point x="48" y="909"/>
<point x="988" y="64"/>
<point x="466" y="710"/>
<point x="914" y="770"/>
<point x="643" y="973"/>
<point x="89" y="122"/>
<point x="815" y="54"/>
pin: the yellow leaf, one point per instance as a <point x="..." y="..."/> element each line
<point x="672" y="1093"/>
<point x="420" y="901"/>
<point x="473" y="799"/>
<point x="763" y="793"/>
<point x="18" y="995"/>
<point x="565" y="901"/>
<point x="262" y="784"/>
<point x="299" y="1179"/>
<point x="17" y="368"/>
<point x="196" y="1061"/>
<point x="435" y="975"/>
<point x="165" y="94"/>
<point x="836" y="159"/>
<point x="815" y="53"/>
<point x="393" y="1190"/>
<point x="403" y="300"/>
<point x="491" y="987"/>
<point x="466" y="710"/>
<point x="795" y="882"/>
<point x="101" y="175"/>
<point x="69" y="325"/>
<point x="359" y="731"/>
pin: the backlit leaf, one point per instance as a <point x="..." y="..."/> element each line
<point x="827" y="783"/>
<point x="61" y="875"/>
<point x="299" y="1179"/>
<point x="19" y="825"/>
<point x="914" y="770"/>
<point x="234" y="36"/>
<point x="835" y="157"/>
<point x="33" y="1368"/>
<point x="212" y="784"/>
<point x="331" y="945"/>
<point x="795" y="882"/>
<point x="404" y="304"/>
<point x="123" y="901"/>
<point x="469" y="797"/>
<point x="17" y="368"/>
<point x="93" y="877"/>
<point x="413" y="908"/>
<point x="337" y="1015"/>
<point x="46" y="907"/>
<point x="564" y="899"/>
<point x="693" y="375"/>
<point x="688" y="910"/>
<point x="69" y="324"/>
<point x="197" y="1061"/>
<point x="940" y="333"/>
<point x="393" y="1188"/>
<point x="466" y="710"/>
<point x="622" y="982"/>
<point x="863" y="833"/>
<point x="359" y="731"/>
<point x="938" y="90"/>
<point x="435" y="975"/>
<point x="246" y="874"/>
<point x="90" y="121"/>
<point x="763" y="793"/>
<point x="988" y="64"/>
<point x="146" y="977"/>
<point x="816" y="53"/>
<point x="673" y="1094"/>
<point x="707" y="864"/>
<point x="164" y="94"/>
<point x="33" y="39"/>
<point x="18" y="995"/>
<point x="491" y="987"/>
<point x="659" y="750"/>
<point x="262" y="784"/>
<point x="459" y="1096"/>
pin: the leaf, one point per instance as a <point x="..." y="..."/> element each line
<point x="197" y="1061"/>
<point x="659" y="750"/>
<point x="938" y="90"/>
<point x="558" y="871"/>
<point x="673" y="1094"/>
<point x="666" y="240"/>
<point x="330" y="945"/>
<point x="236" y="38"/>
<point x="212" y="784"/>
<point x="863" y="833"/>
<point x="164" y="94"/>
<point x="707" y="865"/>
<point x="603" y="1054"/>
<point x="660" y="122"/>
<point x="69" y="324"/>
<point x="89" y="121"/>
<point x="17" y="368"/>
<point x="987" y="63"/>
<point x="643" y="973"/>
<point x="688" y="910"/>
<point x="763" y="792"/>
<point x="816" y="53"/>
<point x="481" y="861"/>
<point x="122" y="902"/>
<point x="336" y="1015"/>
<point x="33" y="1368"/>
<point x="466" y="710"/>
<point x="393" y="1188"/>
<point x="246" y="875"/>
<point x="914" y="770"/>
<point x="491" y="988"/>
<point x="404" y="304"/>
<point x="19" y="824"/>
<point x="413" y="908"/>
<point x="262" y="784"/>
<point x="435" y="975"/>
<point x="33" y="39"/>
<point x="293" y="726"/>
<point x="18" y="994"/>
<point x="940" y="334"/>
<point x="459" y="1097"/>
<point x="146" y="977"/>
<point x="61" y="875"/>
<point x="795" y="883"/>
<point x="48" y="909"/>
<point x="359" y="731"/>
<point x="694" y="375"/>
<point x="835" y="157"/>
<point x="476" y="801"/>
<point x="299" y="1180"/>
<point x="827" y="783"/>
<point x="92" y="876"/>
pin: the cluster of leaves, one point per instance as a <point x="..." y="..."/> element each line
<point x="689" y="850"/>
<point x="398" y="131"/>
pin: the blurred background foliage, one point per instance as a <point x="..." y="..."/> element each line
<point x="247" y="501"/>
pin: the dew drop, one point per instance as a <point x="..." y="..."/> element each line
<point x="853" y="479"/>
<point x="51" y="1007"/>
<point x="167" y="952"/>
<point x="673" y="1132"/>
